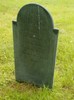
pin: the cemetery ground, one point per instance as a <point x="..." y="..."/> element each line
<point x="62" y="12"/>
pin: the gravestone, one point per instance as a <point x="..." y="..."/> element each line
<point x="35" y="43"/>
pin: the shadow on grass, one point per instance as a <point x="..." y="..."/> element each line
<point x="25" y="87"/>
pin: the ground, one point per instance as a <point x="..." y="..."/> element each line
<point x="63" y="87"/>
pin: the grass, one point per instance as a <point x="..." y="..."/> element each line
<point x="63" y="89"/>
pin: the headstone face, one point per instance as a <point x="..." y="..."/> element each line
<point x="35" y="42"/>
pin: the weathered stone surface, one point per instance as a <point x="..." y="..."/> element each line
<point x="35" y="42"/>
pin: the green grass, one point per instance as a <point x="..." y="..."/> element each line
<point x="63" y="88"/>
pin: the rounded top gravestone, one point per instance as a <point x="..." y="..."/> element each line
<point x="34" y="45"/>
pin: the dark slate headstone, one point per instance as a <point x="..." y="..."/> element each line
<point x="35" y="42"/>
